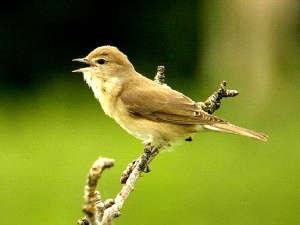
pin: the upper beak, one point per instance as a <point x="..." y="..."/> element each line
<point x="82" y="60"/>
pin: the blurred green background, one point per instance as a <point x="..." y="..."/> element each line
<point x="52" y="129"/>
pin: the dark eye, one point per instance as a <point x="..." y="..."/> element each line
<point x="101" y="61"/>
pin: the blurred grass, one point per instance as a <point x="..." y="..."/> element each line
<point x="49" y="139"/>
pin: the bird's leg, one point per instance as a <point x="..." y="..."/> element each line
<point x="213" y="102"/>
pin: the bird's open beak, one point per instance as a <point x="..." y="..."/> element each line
<point x="82" y="60"/>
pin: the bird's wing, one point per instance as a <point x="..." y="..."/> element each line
<point x="161" y="103"/>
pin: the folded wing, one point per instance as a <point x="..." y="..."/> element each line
<point x="161" y="103"/>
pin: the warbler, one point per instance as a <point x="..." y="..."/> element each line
<point x="152" y="112"/>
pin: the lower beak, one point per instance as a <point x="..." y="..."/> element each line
<point x="81" y="70"/>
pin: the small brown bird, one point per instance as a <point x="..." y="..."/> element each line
<point x="154" y="113"/>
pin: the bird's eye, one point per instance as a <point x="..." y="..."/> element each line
<point x="101" y="61"/>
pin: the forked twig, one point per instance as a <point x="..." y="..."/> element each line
<point x="102" y="212"/>
<point x="213" y="102"/>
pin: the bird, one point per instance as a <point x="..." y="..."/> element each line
<point x="154" y="113"/>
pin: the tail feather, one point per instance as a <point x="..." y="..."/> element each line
<point x="233" y="129"/>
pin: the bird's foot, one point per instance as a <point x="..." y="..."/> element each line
<point x="149" y="152"/>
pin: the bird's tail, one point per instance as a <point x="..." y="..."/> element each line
<point x="233" y="129"/>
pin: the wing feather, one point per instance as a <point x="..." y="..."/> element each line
<point x="161" y="103"/>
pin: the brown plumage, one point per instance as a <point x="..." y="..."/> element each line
<point x="150" y="111"/>
<point x="161" y="103"/>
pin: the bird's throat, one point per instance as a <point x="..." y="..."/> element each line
<point x="105" y="90"/>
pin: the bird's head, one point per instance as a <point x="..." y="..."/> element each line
<point x="105" y="62"/>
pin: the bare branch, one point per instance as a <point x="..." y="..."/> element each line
<point x="126" y="173"/>
<point x="102" y="212"/>
<point x="92" y="198"/>
<point x="136" y="170"/>
<point x="160" y="75"/>
<point x="213" y="102"/>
